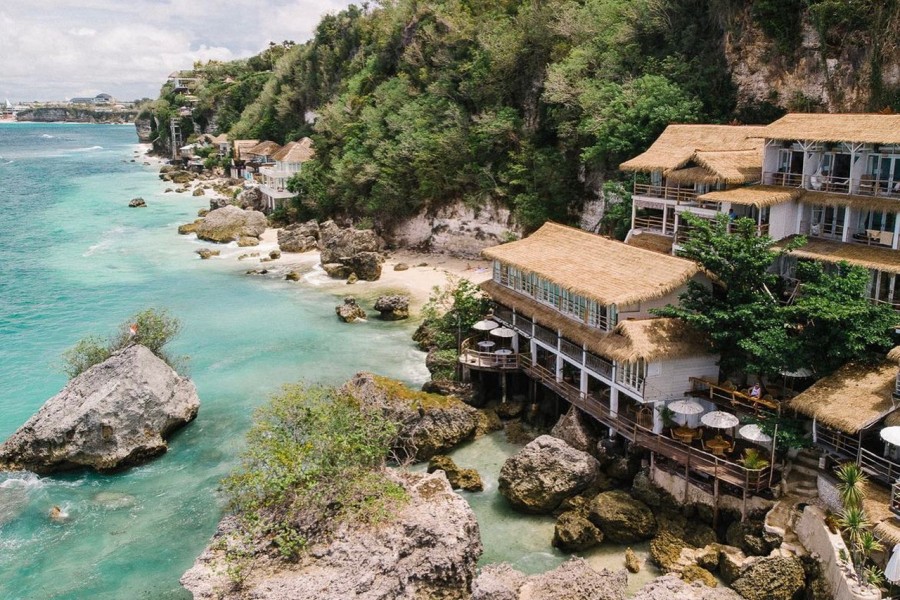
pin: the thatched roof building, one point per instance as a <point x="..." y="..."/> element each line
<point x="295" y="152"/>
<point x="871" y="128"/>
<point x="264" y="148"/>
<point x="850" y="399"/>
<point x="598" y="268"/>
<point x="630" y="341"/>
<point x="704" y="154"/>
<point x="650" y="241"/>
<point x="869" y="257"/>
<point x="242" y="148"/>
<point x="759" y="196"/>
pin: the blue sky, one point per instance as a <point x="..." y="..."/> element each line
<point x="57" y="49"/>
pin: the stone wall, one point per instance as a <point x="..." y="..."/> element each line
<point x="691" y="494"/>
<point x="828" y="493"/>
<point x="814" y="534"/>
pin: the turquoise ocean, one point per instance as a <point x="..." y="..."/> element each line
<point x="76" y="261"/>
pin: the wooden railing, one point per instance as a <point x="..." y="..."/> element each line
<point x="837" y="442"/>
<point x="869" y="186"/>
<point x="698" y="461"/>
<point x="783" y="179"/>
<point x="655" y="223"/>
<point x="571" y="350"/>
<point x="599" y="365"/>
<point x="479" y="359"/>
<point x="895" y="498"/>
<point x="678" y="195"/>
<point x="734" y="398"/>
<point x="545" y="335"/>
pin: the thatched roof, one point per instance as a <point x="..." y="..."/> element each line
<point x="295" y="152"/>
<point x="869" y="257"/>
<point x="265" y="148"/>
<point x="692" y="175"/>
<point x="679" y="144"/>
<point x="877" y="505"/>
<point x="651" y="339"/>
<point x="856" y="202"/>
<point x="754" y="195"/>
<point x="651" y="241"/>
<point x="648" y="339"/>
<point x="242" y="147"/>
<point x="850" y="399"/>
<point x="733" y="166"/>
<point x="604" y="270"/>
<point x="872" y="129"/>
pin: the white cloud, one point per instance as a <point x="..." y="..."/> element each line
<point x="54" y="49"/>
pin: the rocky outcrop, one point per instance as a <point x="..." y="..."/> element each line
<point x="73" y="114"/>
<point x="207" y="253"/>
<point x="137" y="203"/>
<point x="114" y="415"/>
<point x="622" y="518"/>
<point x="692" y="573"/>
<point x="230" y="224"/>
<point x="350" y="311"/>
<point x="459" y="478"/>
<point x="575" y="429"/>
<point x="356" y="250"/>
<point x="430" y="424"/>
<point x="775" y="578"/>
<point x="428" y="550"/>
<point x="545" y="472"/>
<point x="251" y="199"/>
<point x="393" y="308"/>
<point x="752" y="537"/>
<point x="299" y="237"/>
<point x="572" y="580"/>
<point x="632" y="562"/>
<point x="574" y="532"/>
<point x="671" y="587"/>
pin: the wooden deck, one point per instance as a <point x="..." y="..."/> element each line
<point x="698" y="461"/>
<point x="487" y="361"/>
<point x="732" y="399"/>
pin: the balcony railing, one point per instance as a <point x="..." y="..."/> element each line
<point x="545" y="335"/>
<point x="730" y="397"/>
<point x="837" y="442"/>
<point x="471" y="356"/>
<point x="879" y="467"/>
<point x="783" y="179"/>
<point x="654" y="223"/>
<point x="698" y="461"/>
<point x="870" y="186"/>
<point x="895" y="498"/>
<point x="678" y="195"/>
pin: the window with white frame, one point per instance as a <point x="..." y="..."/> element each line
<point x="632" y="374"/>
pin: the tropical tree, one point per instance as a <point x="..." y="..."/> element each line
<point x="854" y="522"/>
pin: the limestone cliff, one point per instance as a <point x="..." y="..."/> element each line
<point x="68" y="114"/>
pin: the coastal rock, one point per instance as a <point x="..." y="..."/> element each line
<point x="292" y="276"/>
<point x="275" y="254"/>
<point x="198" y="192"/>
<point x="510" y="409"/>
<point x="459" y="478"/>
<point x="622" y="518"/>
<point x="114" y="415"/>
<point x="752" y="537"/>
<point x="393" y="308"/>
<point x="359" y="250"/>
<point x="247" y="240"/>
<point x="137" y="203"/>
<point x="366" y="265"/>
<point x="649" y="493"/>
<point x="350" y="311"/>
<point x="665" y="550"/>
<point x="488" y="421"/>
<point x="543" y="473"/>
<point x="692" y="573"/>
<point x="671" y="587"/>
<point x="230" y="223"/>
<point x="574" y="532"/>
<point x="574" y="429"/>
<point x="448" y="387"/>
<point x="299" y="237"/>
<point x="352" y="278"/>
<point x="401" y="267"/>
<point x="632" y="562"/>
<point x="440" y="363"/>
<point x="774" y="578"/>
<point x="189" y="227"/>
<point x="430" y="424"/>
<point x="251" y="199"/>
<point x="336" y="270"/>
<point x="207" y="253"/>
<point x="572" y="580"/>
<point x="429" y="549"/>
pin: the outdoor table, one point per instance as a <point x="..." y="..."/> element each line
<point x="486" y="346"/>
<point x="685" y="434"/>
<point x="718" y="445"/>
<point x="504" y="352"/>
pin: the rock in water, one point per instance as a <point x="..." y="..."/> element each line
<point x="137" y="203"/>
<point x="207" y="253"/>
<point x="632" y="562"/>
<point x="114" y="415"/>
<point x="459" y="478"/>
<point x="393" y="308"/>
<point x="575" y="430"/>
<point x="545" y="472"/>
<point x="429" y="550"/>
<point x="622" y="518"/>
<point x="775" y="578"/>
<point x="572" y="580"/>
<point x="574" y="533"/>
<point x="350" y="311"/>
<point x="430" y="424"/>
<point x="230" y="223"/>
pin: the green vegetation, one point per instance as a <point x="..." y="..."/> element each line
<point x="855" y="525"/>
<point x="313" y="461"/>
<point x="829" y="321"/>
<point x="450" y="313"/>
<point x="753" y="460"/>
<point x="153" y="328"/>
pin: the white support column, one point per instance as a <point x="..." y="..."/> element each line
<point x="583" y="387"/>
<point x="665" y="216"/>
<point x="633" y="214"/>
<point x="799" y="217"/>
<point x="559" y="368"/>
<point x="894" y="246"/>
<point x="657" y="417"/>
<point x="845" y="236"/>
<point x="533" y="348"/>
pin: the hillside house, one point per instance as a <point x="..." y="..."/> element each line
<point x="288" y="162"/>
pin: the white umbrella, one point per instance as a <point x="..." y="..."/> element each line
<point x="485" y="325"/>
<point x="719" y="420"/>
<point x="503" y="332"/>
<point x="892" y="570"/>
<point x="891" y="435"/>
<point x="754" y="434"/>
<point x="686" y="407"/>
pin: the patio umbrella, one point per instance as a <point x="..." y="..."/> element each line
<point x="485" y="325"/>
<point x="719" y="420"/>
<point x="892" y="570"/>
<point x="503" y="332"/>
<point x="686" y="407"/>
<point x="754" y="434"/>
<point x="891" y="435"/>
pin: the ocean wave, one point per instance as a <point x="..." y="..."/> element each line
<point x="47" y="136"/>
<point x="22" y="480"/>
<point x="317" y="276"/>
<point x="88" y="149"/>
<point x="108" y="240"/>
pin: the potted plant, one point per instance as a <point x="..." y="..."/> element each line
<point x="753" y="460"/>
